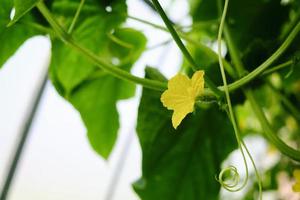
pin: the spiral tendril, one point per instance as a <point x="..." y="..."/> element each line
<point x="233" y="185"/>
<point x="234" y="181"/>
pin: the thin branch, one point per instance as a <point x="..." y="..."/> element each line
<point x="183" y="49"/>
<point x="70" y="30"/>
<point x="115" y="71"/>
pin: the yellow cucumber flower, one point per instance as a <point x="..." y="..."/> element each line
<point x="296" y="186"/>
<point x="181" y="95"/>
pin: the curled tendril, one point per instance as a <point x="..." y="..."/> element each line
<point x="233" y="185"/>
<point x="234" y="181"/>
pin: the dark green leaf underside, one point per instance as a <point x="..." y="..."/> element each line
<point x="181" y="164"/>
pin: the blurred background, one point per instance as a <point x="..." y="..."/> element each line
<point x="58" y="162"/>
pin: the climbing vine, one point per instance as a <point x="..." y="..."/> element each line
<point x="211" y="97"/>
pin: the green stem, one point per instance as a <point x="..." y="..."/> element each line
<point x="161" y="44"/>
<point x="175" y="36"/>
<point x="234" y="54"/>
<point x="119" y="41"/>
<point x="278" y="67"/>
<point x="208" y="51"/>
<point x="268" y="132"/>
<point x="290" y="26"/>
<point x="245" y="79"/>
<point x="198" y="25"/>
<point x="231" y="114"/>
<point x="115" y="71"/>
<point x="183" y="49"/>
<point x="76" y="16"/>
<point x="157" y="85"/>
<point x="240" y="142"/>
<point x="252" y="75"/>
<point x="156" y="26"/>
<point x="38" y="27"/>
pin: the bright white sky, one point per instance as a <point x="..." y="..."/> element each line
<point x="58" y="163"/>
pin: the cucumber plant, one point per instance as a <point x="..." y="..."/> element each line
<point x="188" y="125"/>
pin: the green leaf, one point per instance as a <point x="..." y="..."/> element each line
<point x="12" y="37"/>
<point x="129" y="45"/>
<point x="96" y="102"/>
<point x="255" y="25"/>
<point x="21" y="8"/>
<point x="91" y="31"/>
<point x="96" y="97"/>
<point x="68" y="67"/>
<point x="5" y="9"/>
<point x="92" y="91"/>
<point x="181" y="164"/>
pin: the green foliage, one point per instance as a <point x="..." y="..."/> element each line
<point x="92" y="32"/>
<point x="255" y="25"/>
<point x="74" y="77"/>
<point x="12" y="37"/>
<point x="96" y="101"/>
<point x="93" y="92"/>
<point x="181" y="164"/>
<point x="177" y="164"/>
<point x="96" y="97"/>
<point x="21" y="8"/>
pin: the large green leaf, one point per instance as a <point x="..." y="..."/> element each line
<point x="181" y="164"/>
<point x="96" y="97"/>
<point x="92" y="91"/>
<point x="12" y="37"/>
<point x="96" y="102"/>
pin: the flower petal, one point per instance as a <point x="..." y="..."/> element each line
<point x="296" y="174"/>
<point x="181" y="95"/>
<point x="179" y="84"/>
<point x="181" y="111"/>
<point x="198" y="82"/>
<point x="296" y="187"/>
<point x="171" y="100"/>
